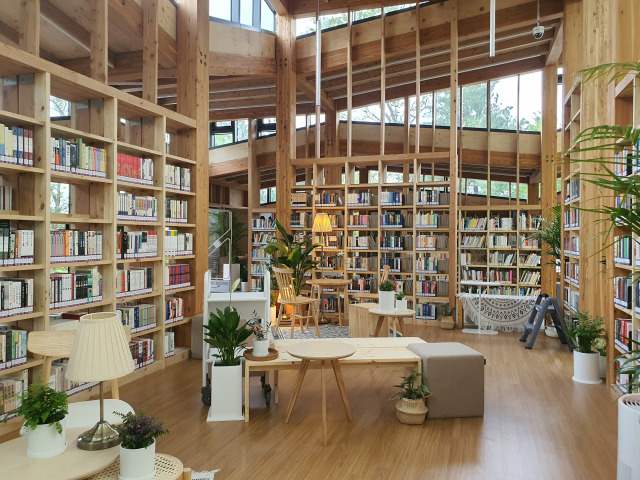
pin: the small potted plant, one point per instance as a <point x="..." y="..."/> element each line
<point x="44" y="410"/>
<point x="601" y="348"/>
<point x="586" y="331"/>
<point x="401" y="301"/>
<point x="410" y="407"/>
<point x="385" y="296"/>
<point x="446" y="319"/>
<point x="260" y="341"/>
<point x="138" y="434"/>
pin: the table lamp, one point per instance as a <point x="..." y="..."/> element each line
<point x="100" y="352"/>
<point x="322" y="224"/>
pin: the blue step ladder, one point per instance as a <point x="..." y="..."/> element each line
<point x="545" y="304"/>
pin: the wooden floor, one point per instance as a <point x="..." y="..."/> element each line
<point x="538" y="423"/>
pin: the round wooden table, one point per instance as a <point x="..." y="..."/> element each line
<point x="322" y="351"/>
<point x="337" y="283"/>
<point x="399" y="314"/>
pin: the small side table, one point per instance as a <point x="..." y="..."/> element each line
<point x="399" y="314"/>
<point x="337" y="283"/>
<point x="167" y="468"/>
<point x="322" y="350"/>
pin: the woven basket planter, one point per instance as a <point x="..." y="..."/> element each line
<point x="411" y="412"/>
<point x="447" y="323"/>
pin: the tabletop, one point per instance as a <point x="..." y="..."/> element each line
<point x="69" y="465"/>
<point x="321" y="350"/>
<point x="395" y="313"/>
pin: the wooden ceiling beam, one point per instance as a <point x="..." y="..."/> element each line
<point x="309" y="89"/>
<point x="281" y="6"/>
<point x="556" y="46"/>
<point x="13" y="37"/>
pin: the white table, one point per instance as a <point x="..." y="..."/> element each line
<point x="476" y="283"/>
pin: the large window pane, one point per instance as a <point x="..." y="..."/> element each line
<point x="370" y="113"/>
<point x="246" y="12"/>
<point x="267" y="17"/>
<point x="394" y="111"/>
<point x="426" y="109"/>
<point x="305" y="25"/>
<point x="329" y="21"/>
<point x="443" y="108"/>
<point x="242" y="130"/>
<point x="363" y="14"/>
<point x="531" y="102"/>
<point x="59" y="107"/>
<point x="222" y="139"/>
<point x="504" y="99"/>
<point x="220" y="9"/>
<point x="474" y="106"/>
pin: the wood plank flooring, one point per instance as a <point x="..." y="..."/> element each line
<point x="538" y="423"/>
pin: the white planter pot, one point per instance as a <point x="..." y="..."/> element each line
<point x="585" y="367"/>
<point x="138" y="463"/>
<point x="226" y="394"/>
<point x="45" y="441"/>
<point x="386" y="301"/>
<point x="244" y="287"/>
<point x="401" y="304"/>
<point x="602" y="366"/>
<point x="260" y="347"/>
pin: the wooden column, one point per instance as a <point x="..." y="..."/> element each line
<point x="193" y="101"/>
<point x="285" y="116"/>
<point x="99" y="55"/>
<point x="549" y="167"/>
<point x="29" y="36"/>
<point x="383" y="82"/>
<point x="150" y="50"/>
<point x="253" y="181"/>
<point x="453" y="152"/>
<point x="333" y="175"/>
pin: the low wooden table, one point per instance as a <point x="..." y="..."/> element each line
<point x="370" y="353"/>
<point x="337" y="283"/>
<point x="321" y="351"/>
<point x="399" y="314"/>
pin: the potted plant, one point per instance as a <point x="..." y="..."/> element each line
<point x="261" y="340"/>
<point x="138" y="433"/>
<point x="385" y="296"/>
<point x="401" y="301"/>
<point x="446" y="319"/>
<point x="601" y="348"/>
<point x="587" y="331"/>
<point x="44" y="410"/>
<point x="410" y="407"/>
<point x="227" y="335"/>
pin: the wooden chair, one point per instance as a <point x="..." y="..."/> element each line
<point x="53" y="345"/>
<point x="288" y="297"/>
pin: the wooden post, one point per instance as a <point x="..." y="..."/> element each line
<point x="253" y="181"/>
<point x="453" y="152"/>
<point x="150" y="50"/>
<point x="549" y="168"/>
<point x="285" y="116"/>
<point x="29" y="36"/>
<point x="383" y="82"/>
<point x="99" y="56"/>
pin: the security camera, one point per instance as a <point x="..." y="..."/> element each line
<point x="538" y="32"/>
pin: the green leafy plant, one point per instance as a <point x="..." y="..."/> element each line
<point x="587" y="331"/>
<point x="446" y="310"/>
<point x="273" y="299"/>
<point x="256" y="327"/>
<point x="550" y="233"/>
<point x="601" y="346"/>
<point x="400" y="295"/>
<point x="412" y="387"/>
<point x="288" y="253"/>
<point x="42" y="405"/>
<point x="139" y="430"/>
<point x="225" y="332"/>
<point x="387" y="286"/>
<point x="219" y="225"/>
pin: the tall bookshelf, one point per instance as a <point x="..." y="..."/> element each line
<point x="108" y="124"/>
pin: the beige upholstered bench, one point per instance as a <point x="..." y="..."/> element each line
<point x="454" y="374"/>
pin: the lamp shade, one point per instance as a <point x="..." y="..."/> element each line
<point x="322" y="223"/>
<point x="100" y="351"/>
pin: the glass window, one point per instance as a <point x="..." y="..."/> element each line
<point x="246" y="12"/>
<point x="222" y="139"/>
<point x="242" y="130"/>
<point x="59" y="202"/>
<point x="476" y="187"/>
<point x="399" y="7"/>
<point x="220" y="9"/>
<point x="559" y="106"/>
<point x="474" y="106"/>
<point x="59" y="107"/>
<point x="364" y="14"/>
<point x="443" y="108"/>
<point x="370" y="113"/>
<point x="500" y="189"/>
<point x="264" y="196"/>
<point x="531" y="102"/>
<point x="394" y="111"/>
<point x="503" y="103"/>
<point x="267" y="17"/>
<point x="329" y="21"/>
<point x="426" y="109"/>
<point x="305" y="25"/>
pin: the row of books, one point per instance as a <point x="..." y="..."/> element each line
<point x="572" y="270"/>
<point x="11" y="390"/>
<point x="501" y="240"/>
<point x="503" y="276"/>
<point x="262" y="238"/>
<point x="16" y="145"/>
<point x="500" y="223"/>
<point x="362" y="199"/>
<point x="361" y="285"/>
<point x="362" y="221"/>
<point x="571" y="298"/>
<point x="363" y="264"/>
<point x="571" y="218"/>
<point x="75" y="245"/>
<point x="59" y="382"/>
<point x="474" y="241"/>
<point x="626" y="161"/>
<point x="329" y="304"/>
<point x="141" y="351"/>
<point x="389" y="199"/>
<point x="432" y="220"/>
<point x="623" y="328"/>
<point x="300" y="199"/>
<point x="396" y="243"/>
<point x="134" y="281"/>
<point x="263" y="223"/>
<point x="327" y="199"/>
<point x="361" y="242"/>
<point x="136" y="244"/>
<point x="175" y="310"/>
<point x="301" y="220"/>
<point x="426" y="311"/>
<point x="529" y="222"/>
<point x="259" y="254"/>
<point x="397" y="264"/>
<point x="177" y="178"/>
<point x="432" y="264"/>
<point x="13" y="347"/>
<point x="438" y="287"/>
<point x="177" y="275"/>
<point x="572" y="190"/>
<point x="427" y="196"/>
<point x="473" y="275"/>
<point x="621" y="249"/>
<point x="137" y="208"/>
<point x="432" y="242"/>
<point x="473" y="223"/>
<point x="139" y="317"/>
<point x="257" y="284"/>
<point x="259" y="268"/>
<point x="169" y="344"/>
<point x="622" y="292"/>
<point x="6" y="194"/>
<point x="16" y="296"/>
<point x="75" y="156"/>
<point x="330" y="262"/>
<point x="16" y="246"/>
<point x="530" y="260"/>
<point x="176" y="210"/>
<point x="329" y="240"/>
<point x="135" y="169"/>
<point x="530" y="277"/>
<point x="177" y="244"/>
<point x="396" y="220"/>
<point x="501" y="258"/>
<point x="528" y="242"/>
<point x="69" y="289"/>
<point x="572" y="246"/>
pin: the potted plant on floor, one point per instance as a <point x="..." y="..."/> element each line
<point x="410" y="407"/>
<point x="138" y="434"/>
<point x="401" y="301"/>
<point x="587" y="331"/>
<point x="601" y="348"/>
<point x="446" y="319"/>
<point x="227" y="335"/>
<point x="44" y="410"/>
<point x="385" y="296"/>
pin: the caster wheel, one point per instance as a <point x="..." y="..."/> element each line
<point x="267" y="397"/>
<point x="206" y="395"/>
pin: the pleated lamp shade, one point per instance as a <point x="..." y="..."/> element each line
<point x="100" y="351"/>
<point x="321" y="223"/>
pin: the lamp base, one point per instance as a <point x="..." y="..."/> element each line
<point x="100" y="437"/>
<point x="324" y="320"/>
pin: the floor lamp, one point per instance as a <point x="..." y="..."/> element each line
<point x="322" y="224"/>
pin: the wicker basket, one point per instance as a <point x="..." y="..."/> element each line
<point x="447" y="323"/>
<point x="411" y="412"/>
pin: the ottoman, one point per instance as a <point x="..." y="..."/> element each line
<point x="454" y="374"/>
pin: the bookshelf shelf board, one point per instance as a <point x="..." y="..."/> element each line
<point x="422" y="228"/>
<point x="264" y="209"/>
<point x="180" y="354"/>
<point x="304" y="229"/>
<point x="137" y="297"/>
<point x="178" y="323"/>
<point x="30" y="364"/>
<point x="363" y="294"/>
<point x="477" y="265"/>
<point x="137" y="150"/>
<point x="145" y="332"/>
<point x="472" y="230"/>
<point x="322" y="207"/>
<point x="433" y="184"/>
<point x="76" y="178"/>
<point x="431" y="274"/>
<point x="501" y="266"/>
<point x="366" y="186"/>
<point x="403" y="274"/>
<point x="399" y="229"/>
<point x="176" y="158"/>
<point x="180" y="225"/>
<point x="528" y="284"/>
<point x="530" y="248"/>
<point x="431" y="299"/>
<point x="180" y="257"/>
<point x="82" y="219"/>
<point x="10" y="168"/>
<point x="137" y="186"/>
<point x="178" y="290"/>
<point x="622" y="309"/>
<point x="301" y="208"/>
<point x="501" y="248"/>
<point x="535" y="267"/>
<point x="174" y="191"/>
<point x="424" y="206"/>
<point x="17" y="318"/>
<point x="82" y="306"/>
<point x="362" y="272"/>
<point x="80" y="264"/>
<point x="17" y="120"/>
<point x="623" y="266"/>
<point x="302" y="187"/>
<point x="19" y="268"/>
<point x="330" y="187"/>
<point x="136" y="224"/>
<point x="362" y="207"/>
<point x="15" y="215"/>
<point x="397" y="185"/>
<point x="70" y="133"/>
<point x="138" y="260"/>
<point x="355" y="228"/>
<point x="269" y="229"/>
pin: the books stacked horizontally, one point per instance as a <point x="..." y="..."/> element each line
<point x="136" y="244"/>
<point x="70" y="289"/>
<point x="177" y="276"/>
<point x="175" y="310"/>
<point x="74" y="156"/>
<point x="134" y="281"/>
<point x="135" y="169"/>
<point x="141" y="351"/>
<point x="139" y="317"/>
<point x="176" y="210"/>
<point x="137" y="208"/>
<point x="13" y="347"/>
<point x="16" y="145"/>
<point x="16" y="246"/>
<point x="75" y="246"/>
<point x="177" y="244"/>
<point x="178" y="178"/>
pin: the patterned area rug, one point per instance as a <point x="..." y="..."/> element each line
<point x="327" y="331"/>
